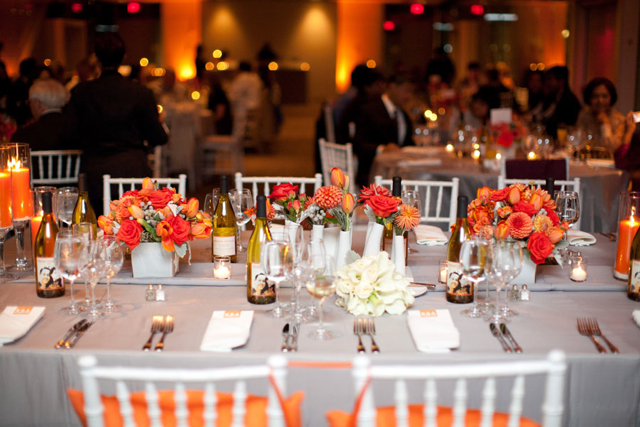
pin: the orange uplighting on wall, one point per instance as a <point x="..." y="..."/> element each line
<point x="183" y="18"/>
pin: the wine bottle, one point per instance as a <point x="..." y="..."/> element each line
<point x="550" y="185"/>
<point x="387" y="239"/>
<point x="633" y="290"/>
<point x="459" y="289"/>
<point x="83" y="212"/>
<point x="224" y="231"/>
<point x="49" y="282"/>
<point x="258" y="289"/>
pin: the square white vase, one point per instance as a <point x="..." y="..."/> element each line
<point x="151" y="260"/>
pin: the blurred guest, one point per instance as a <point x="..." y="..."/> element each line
<point x="245" y="94"/>
<point x="358" y="75"/>
<point x="476" y="116"/>
<point x="85" y="70"/>
<point x="168" y="88"/>
<point x="600" y="118"/>
<point x="201" y="63"/>
<point x="561" y="106"/>
<point x="219" y="104"/>
<point x="535" y="88"/>
<point x="372" y="88"/>
<point x="5" y="86"/>
<point x="383" y="123"/>
<point x="470" y="83"/>
<point x="442" y="66"/>
<point x="110" y="118"/>
<point x="18" y="96"/>
<point x="627" y="157"/>
<point x="46" y="99"/>
<point x="495" y="93"/>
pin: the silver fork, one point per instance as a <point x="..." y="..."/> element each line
<point x="168" y="328"/>
<point x="583" y="328"/>
<point x="357" y="330"/>
<point x="594" y="328"/>
<point x="370" y="329"/>
<point x="157" y="323"/>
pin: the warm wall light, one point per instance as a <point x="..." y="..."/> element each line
<point x="388" y="26"/>
<point x="222" y="65"/>
<point x="566" y="33"/>
<point x="217" y="53"/>
<point x="477" y="9"/>
<point x="195" y="95"/>
<point x="144" y="62"/>
<point x="77" y="7"/>
<point x="209" y="66"/>
<point x="273" y="66"/>
<point x="371" y="63"/>
<point x="305" y="66"/>
<point x="417" y="9"/>
<point x="47" y="62"/>
<point x="133" y="7"/>
<point x="186" y="72"/>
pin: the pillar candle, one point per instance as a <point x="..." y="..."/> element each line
<point x="628" y="229"/>
<point x="5" y="200"/>
<point x="21" y="196"/>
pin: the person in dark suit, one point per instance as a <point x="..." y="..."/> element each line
<point x="561" y="105"/>
<point x="111" y="118"/>
<point x="18" y="94"/>
<point x="46" y="99"/>
<point x="383" y="123"/>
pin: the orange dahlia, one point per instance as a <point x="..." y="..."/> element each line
<point x="408" y="218"/>
<point x="520" y="225"/>
<point x="328" y="197"/>
<point x="542" y="223"/>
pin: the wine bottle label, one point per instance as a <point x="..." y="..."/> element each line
<point x="634" y="277"/>
<point x="457" y="284"/>
<point x="224" y="245"/>
<point x="260" y="286"/>
<point x="47" y="275"/>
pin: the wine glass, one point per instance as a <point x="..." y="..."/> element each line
<point x="85" y="231"/>
<point x="505" y="266"/>
<point x="66" y="258"/>
<point x="242" y="202"/>
<point x="568" y="206"/>
<point x="475" y="255"/>
<point x="67" y="199"/>
<point x="275" y="260"/>
<point x="294" y="235"/>
<point x="93" y="267"/>
<point x="211" y="201"/>
<point x="19" y="161"/>
<point x="321" y="287"/>
<point x="412" y="198"/>
<point x="113" y="258"/>
<point x="6" y="219"/>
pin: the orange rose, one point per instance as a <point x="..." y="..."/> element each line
<point x="525" y="207"/>
<point x="520" y="225"/>
<point x="383" y="206"/>
<point x="160" y="198"/>
<point x="129" y="233"/>
<point x="180" y="229"/>
<point x="106" y="224"/>
<point x="500" y="195"/>
<point x="283" y="191"/>
<point x="540" y="247"/>
<point x="121" y="213"/>
<point x="553" y="216"/>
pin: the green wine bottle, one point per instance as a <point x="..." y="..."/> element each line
<point x="459" y="290"/>
<point x="258" y="289"/>
<point x="633" y="290"/>
<point x="83" y="212"/>
<point x="49" y="282"/>
<point x="225" y="229"/>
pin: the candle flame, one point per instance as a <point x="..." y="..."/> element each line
<point x="632" y="220"/>
<point x="15" y="164"/>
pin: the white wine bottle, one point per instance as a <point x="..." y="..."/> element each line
<point x="387" y="239"/>
<point x="225" y="230"/>
<point x="633" y="291"/>
<point x="459" y="289"/>
<point x="83" y="212"/>
<point x="49" y="282"/>
<point x="258" y="289"/>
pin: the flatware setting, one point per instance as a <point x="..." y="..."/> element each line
<point x="358" y="329"/>
<point x="157" y="326"/>
<point x="495" y="330"/>
<point x="168" y="328"/>
<point x="364" y="325"/>
<point x="73" y="334"/>
<point x="590" y="327"/>
<point x="290" y="337"/>
<point x="507" y="334"/>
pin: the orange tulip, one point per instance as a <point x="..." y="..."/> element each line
<point x="112" y="206"/>
<point x="106" y="224"/>
<point x="347" y="182"/>
<point x="199" y="231"/>
<point x="176" y="197"/>
<point x="555" y="235"/>
<point x="501" y="231"/>
<point x="514" y="196"/>
<point x="484" y="194"/>
<point x="190" y="209"/>
<point x="536" y="201"/>
<point x="337" y="177"/>
<point x="166" y="211"/>
<point x="147" y="184"/>
<point x="348" y="203"/>
<point x="136" y="212"/>
<point x="164" y="230"/>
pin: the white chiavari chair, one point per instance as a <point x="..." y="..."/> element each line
<point x="128" y="184"/>
<point x="340" y="156"/>
<point x="55" y="167"/>
<point x="265" y="183"/>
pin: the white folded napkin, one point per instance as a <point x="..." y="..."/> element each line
<point x="601" y="163"/>
<point x="580" y="238"/>
<point x="16" y="321"/>
<point x="420" y="162"/>
<point x="636" y="316"/>
<point x="430" y="235"/>
<point x="227" y="330"/>
<point x="425" y="151"/>
<point x="433" y="331"/>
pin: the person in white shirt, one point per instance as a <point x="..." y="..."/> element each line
<point x="244" y="94"/>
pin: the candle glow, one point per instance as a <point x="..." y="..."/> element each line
<point x="20" y="185"/>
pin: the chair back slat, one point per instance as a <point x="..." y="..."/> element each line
<point x="60" y="161"/>
<point x="182" y="412"/>
<point x="132" y="183"/>
<point x="53" y="167"/>
<point x="210" y="401"/>
<point x="153" y="408"/>
<point x="460" y="402"/>
<point x="402" y="406"/>
<point x="126" y="410"/>
<point x="265" y="182"/>
<point x="517" y="396"/>
<point x="488" y="402"/>
<point x="430" y="402"/>
<point x="40" y="166"/>
<point x="239" y="399"/>
<point x="50" y="166"/>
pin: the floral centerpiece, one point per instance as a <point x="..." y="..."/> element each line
<point x="505" y="134"/>
<point x="519" y="212"/>
<point x="289" y="203"/>
<point x="372" y="286"/>
<point x="158" y="215"/>
<point x="335" y="201"/>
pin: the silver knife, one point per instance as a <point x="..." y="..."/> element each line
<point x="72" y="341"/>
<point x="507" y="333"/>
<point x="430" y="286"/>
<point x="496" y="333"/>
<point x="285" y="336"/>
<point x="70" y="332"/>
<point x="294" y="337"/>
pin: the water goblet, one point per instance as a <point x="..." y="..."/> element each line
<point x="242" y="202"/>
<point x="85" y="231"/>
<point x="475" y="256"/>
<point x="321" y="287"/>
<point x="275" y="259"/>
<point x="67" y="199"/>
<point x="93" y="267"/>
<point x="412" y="198"/>
<point x="68" y="249"/>
<point x="113" y="258"/>
<point x="505" y="266"/>
<point x="568" y="206"/>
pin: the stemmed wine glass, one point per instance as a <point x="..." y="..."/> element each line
<point x="6" y="219"/>
<point x="475" y="256"/>
<point x="67" y="199"/>
<point x="113" y="258"/>
<point x="66" y="258"/>
<point x="19" y="161"/>
<point x="321" y="287"/>
<point x="294" y="235"/>
<point x="242" y="202"/>
<point x="505" y="266"/>
<point x="85" y="231"/>
<point x="275" y="259"/>
<point x="568" y="206"/>
<point x="412" y="198"/>
<point x="93" y="268"/>
<point x="210" y="204"/>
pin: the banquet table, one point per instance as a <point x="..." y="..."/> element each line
<point x="600" y="389"/>
<point x="600" y="186"/>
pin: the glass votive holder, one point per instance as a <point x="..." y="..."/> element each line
<point x="578" y="269"/>
<point x="221" y="267"/>
<point x="442" y="272"/>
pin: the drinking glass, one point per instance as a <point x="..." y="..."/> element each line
<point x="67" y="199"/>
<point x="475" y="255"/>
<point x="412" y="198"/>
<point x="6" y="220"/>
<point x="294" y="235"/>
<point x="68" y="249"/>
<point x="242" y="202"/>
<point x="113" y="258"/>
<point x="568" y="206"/>
<point x="505" y="266"/>
<point x="574" y="141"/>
<point x="321" y="287"/>
<point x="93" y="268"/>
<point x="19" y="161"/>
<point x="85" y="231"/>
<point x="275" y="260"/>
<point x="211" y="201"/>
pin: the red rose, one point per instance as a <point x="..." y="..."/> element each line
<point x="160" y="198"/>
<point x="372" y="190"/>
<point x="505" y="139"/>
<point x="500" y="195"/>
<point x="282" y="191"/>
<point x="553" y="216"/>
<point x="129" y="233"/>
<point x="180" y="229"/>
<point x="540" y="247"/>
<point x="525" y="207"/>
<point x="132" y="193"/>
<point x="383" y="206"/>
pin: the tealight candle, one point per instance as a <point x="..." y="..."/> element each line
<point x="449" y="148"/>
<point x="443" y="270"/>
<point x="578" y="271"/>
<point x="221" y="267"/>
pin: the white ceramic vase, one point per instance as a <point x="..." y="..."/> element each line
<point x="151" y="260"/>
<point x="317" y="232"/>
<point x="373" y="239"/>
<point x="528" y="274"/>
<point x="398" y="254"/>
<point x="344" y="246"/>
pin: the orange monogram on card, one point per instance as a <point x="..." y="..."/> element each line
<point x="232" y="314"/>
<point x="428" y="313"/>
<point x="23" y="310"/>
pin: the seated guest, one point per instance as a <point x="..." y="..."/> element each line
<point x="18" y="93"/>
<point x="561" y="106"/>
<point x="372" y="87"/>
<point x="535" y="88"/>
<point x="383" y="123"/>
<point x="601" y="119"/>
<point x="46" y="99"/>
<point x="111" y="118"/>
<point x="219" y="105"/>
<point x="495" y="93"/>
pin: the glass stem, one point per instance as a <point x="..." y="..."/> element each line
<point x="2" y="269"/>
<point x="109" y="303"/>
<point x="73" y="299"/>
<point x="21" y="257"/>
<point x="475" y="296"/>
<point x="320" y="325"/>
<point x="238" y="230"/>
<point x="87" y="297"/>
<point x="94" y="309"/>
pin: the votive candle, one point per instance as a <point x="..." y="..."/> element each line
<point x="5" y="200"/>
<point x="21" y="196"/>
<point x="628" y="229"/>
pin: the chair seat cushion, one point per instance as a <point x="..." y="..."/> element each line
<point x="386" y="417"/>
<point x="255" y="416"/>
